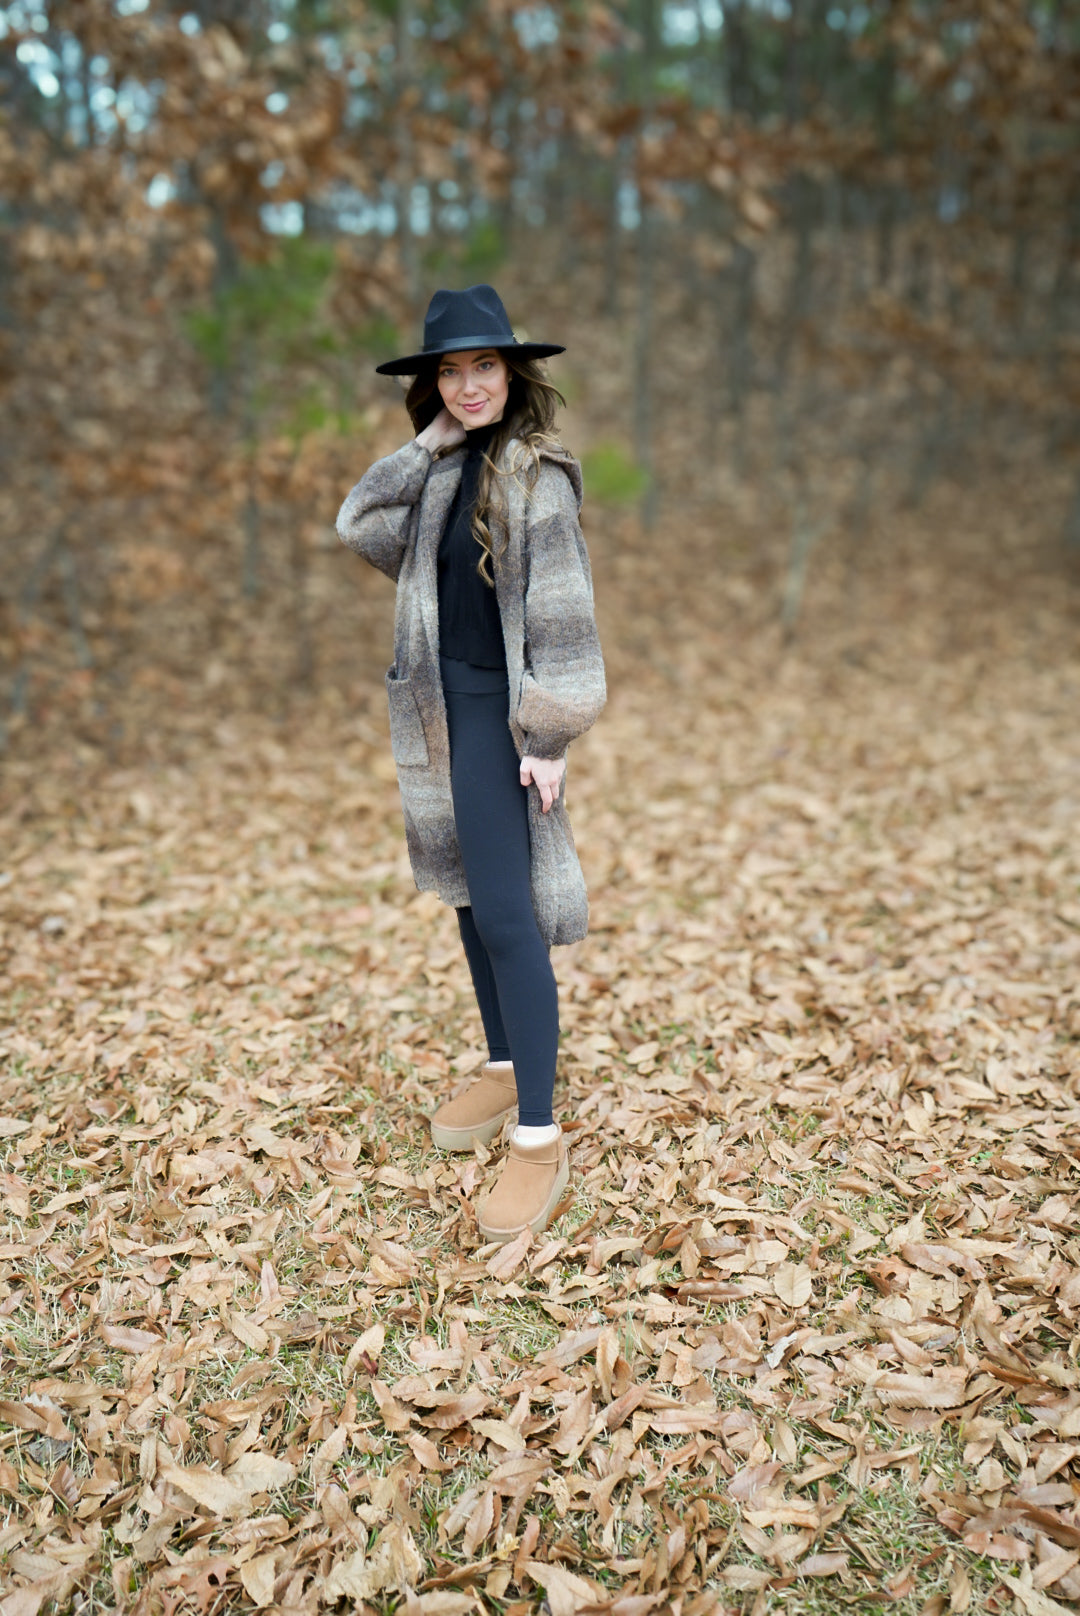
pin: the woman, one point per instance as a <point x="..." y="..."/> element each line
<point x="497" y="667"/>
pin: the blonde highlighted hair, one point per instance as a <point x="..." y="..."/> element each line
<point x="529" y="417"/>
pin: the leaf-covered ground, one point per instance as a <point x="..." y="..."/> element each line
<point x="804" y="1337"/>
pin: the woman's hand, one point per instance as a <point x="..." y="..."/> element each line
<point x="442" y="433"/>
<point x="546" y="775"/>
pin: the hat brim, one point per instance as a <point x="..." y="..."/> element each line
<point x="412" y="364"/>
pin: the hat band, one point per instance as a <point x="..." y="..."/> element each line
<point x="487" y="341"/>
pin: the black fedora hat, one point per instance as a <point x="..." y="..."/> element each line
<point x="457" y="322"/>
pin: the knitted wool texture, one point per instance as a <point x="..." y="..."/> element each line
<point x="394" y="518"/>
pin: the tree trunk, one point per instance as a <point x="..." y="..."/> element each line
<point x="303" y="640"/>
<point x="805" y="534"/>
<point x="226" y="270"/>
<point x="252" y="564"/>
<point x="29" y="596"/>
<point x="646" y="247"/>
<point x="740" y="89"/>
<point x="793" y="66"/>
<point x="406" y="160"/>
<point x="740" y="349"/>
<point x="799" y="291"/>
<point x="1072" y="522"/>
<point x="643" y="365"/>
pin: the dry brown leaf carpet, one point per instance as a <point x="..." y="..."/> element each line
<point x="806" y="1334"/>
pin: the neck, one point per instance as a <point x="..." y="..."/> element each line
<point x="477" y="437"/>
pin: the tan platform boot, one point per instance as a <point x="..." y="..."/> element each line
<point x="479" y="1113"/>
<point x="526" y="1192"/>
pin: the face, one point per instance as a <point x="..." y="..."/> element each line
<point x="474" y="386"/>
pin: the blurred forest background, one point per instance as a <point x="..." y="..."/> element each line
<point x="816" y="264"/>
<point x="806" y="1337"/>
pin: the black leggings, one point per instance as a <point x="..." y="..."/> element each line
<point x="509" y="963"/>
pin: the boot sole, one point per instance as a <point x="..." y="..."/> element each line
<point x="502" y="1237"/>
<point x="466" y="1138"/>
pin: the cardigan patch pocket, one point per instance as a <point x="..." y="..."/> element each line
<point x="407" y="741"/>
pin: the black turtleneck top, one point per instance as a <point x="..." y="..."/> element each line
<point x="470" y="628"/>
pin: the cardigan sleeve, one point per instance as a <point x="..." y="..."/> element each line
<point x="374" y="520"/>
<point x="563" y="688"/>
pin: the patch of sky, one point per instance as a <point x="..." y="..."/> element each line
<point x="453" y="218"/>
<point x="419" y="210"/>
<point x="536" y="26"/>
<point x="160" y="190"/>
<point x="358" y="215"/>
<point x="17" y="18"/>
<point x="961" y="91"/>
<point x="680" y="25"/>
<point x="951" y="203"/>
<point x="277" y="33"/>
<point x="128" y="8"/>
<point x="333" y="57"/>
<point x="23" y="16"/>
<point x="277" y="102"/>
<point x="40" y="62"/>
<point x="135" y="104"/>
<point x="190" y="24"/>
<point x="417" y="27"/>
<point x="272" y="173"/>
<point x="283" y="218"/>
<point x="448" y="189"/>
<point x="628" y="205"/>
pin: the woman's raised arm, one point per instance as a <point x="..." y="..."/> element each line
<point x="374" y="520"/>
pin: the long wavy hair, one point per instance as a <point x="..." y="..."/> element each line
<point x="528" y="417"/>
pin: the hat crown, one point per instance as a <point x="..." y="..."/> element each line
<point x="475" y="312"/>
<point x="459" y="321"/>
